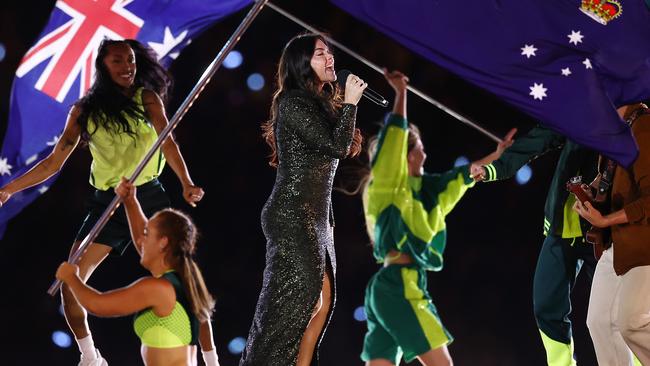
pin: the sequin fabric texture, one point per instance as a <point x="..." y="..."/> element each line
<point x="297" y="223"/>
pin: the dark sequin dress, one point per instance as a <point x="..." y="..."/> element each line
<point x="297" y="222"/>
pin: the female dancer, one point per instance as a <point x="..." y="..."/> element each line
<point x="405" y="212"/>
<point x="310" y="129"/>
<point x="172" y="302"/>
<point x="120" y="119"/>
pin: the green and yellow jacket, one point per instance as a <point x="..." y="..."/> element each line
<point x="559" y="219"/>
<point x="406" y="213"/>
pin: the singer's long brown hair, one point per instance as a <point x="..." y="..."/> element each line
<point x="357" y="178"/>
<point x="295" y="73"/>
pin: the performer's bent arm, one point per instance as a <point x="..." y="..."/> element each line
<point x="637" y="211"/>
<point x="145" y="293"/>
<point x="52" y="164"/>
<point x="156" y="113"/>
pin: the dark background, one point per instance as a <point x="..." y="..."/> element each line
<point x="494" y="234"/>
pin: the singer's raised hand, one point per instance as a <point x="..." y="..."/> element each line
<point x="354" y="88"/>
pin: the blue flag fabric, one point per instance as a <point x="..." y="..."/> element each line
<point x="567" y="63"/>
<point x="59" y="68"/>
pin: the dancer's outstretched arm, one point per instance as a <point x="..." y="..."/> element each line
<point x="52" y="164"/>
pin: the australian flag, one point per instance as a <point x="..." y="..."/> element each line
<point x="59" y="69"/>
<point x="567" y="63"/>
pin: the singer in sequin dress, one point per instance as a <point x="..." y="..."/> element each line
<point x="310" y="129"/>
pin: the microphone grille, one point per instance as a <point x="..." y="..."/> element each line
<point x="342" y="77"/>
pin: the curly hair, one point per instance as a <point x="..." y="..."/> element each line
<point x="106" y="104"/>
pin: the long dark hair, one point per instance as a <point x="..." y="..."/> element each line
<point x="181" y="234"/>
<point x="104" y="102"/>
<point x="295" y="73"/>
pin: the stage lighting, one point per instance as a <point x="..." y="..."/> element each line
<point x="360" y="314"/>
<point x="255" y="82"/>
<point x="233" y="60"/>
<point x="524" y="174"/>
<point x="236" y="346"/>
<point x="461" y="161"/>
<point x="61" y="339"/>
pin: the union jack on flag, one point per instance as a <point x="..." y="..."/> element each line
<point x="59" y="68"/>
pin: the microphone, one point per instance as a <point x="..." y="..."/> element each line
<point x="373" y="96"/>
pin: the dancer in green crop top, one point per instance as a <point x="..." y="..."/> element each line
<point x="170" y="305"/>
<point x="119" y="118"/>
<point x="405" y="212"/>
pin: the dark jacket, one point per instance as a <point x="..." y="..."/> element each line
<point x="559" y="219"/>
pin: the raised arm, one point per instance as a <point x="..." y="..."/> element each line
<point x="155" y="110"/>
<point x="398" y="82"/>
<point x="52" y="164"/>
<point x="134" y="214"/>
<point x="489" y="158"/>
<point x="389" y="163"/>
<point x="148" y="292"/>
<point x="535" y="143"/>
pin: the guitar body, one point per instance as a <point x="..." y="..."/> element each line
<point x="598" y="237"/>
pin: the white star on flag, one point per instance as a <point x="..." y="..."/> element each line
<point x="54" y="140"/>
<point x="31" y="159"/>
<point x="538" y="91"/>
<point x="587" y="63"/>
<point x="43" y="189"/>
<point x="168" y="44"/>
<point x="5" y="168"/>
<point x="575" y="37"/>
<point x="566" y="71"/>
<point x="528" y="50"/>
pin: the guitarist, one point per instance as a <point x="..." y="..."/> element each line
<point x="564" y="251"/>
<point x="597" y="194"/>
<point x="619" y="305"/>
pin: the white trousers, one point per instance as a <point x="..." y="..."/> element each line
<point x="619" y="313"/>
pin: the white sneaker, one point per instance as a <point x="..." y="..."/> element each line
<point x="96" y="361"/>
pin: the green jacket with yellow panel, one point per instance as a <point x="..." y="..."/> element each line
<point x="406" y="213"/>
<point x="559" y="219"/>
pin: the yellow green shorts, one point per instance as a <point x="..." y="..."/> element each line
<point x="402" y="320"/>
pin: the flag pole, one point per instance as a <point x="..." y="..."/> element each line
<point x="182" y="110"/>
<point x="375" y="67"/>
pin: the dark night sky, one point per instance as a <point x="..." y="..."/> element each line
<point x="483" y="294"/>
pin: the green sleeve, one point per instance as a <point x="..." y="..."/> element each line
<point x="537" y="142"/>
<point x="438" y="195"/>
<point x="445" y="189"/>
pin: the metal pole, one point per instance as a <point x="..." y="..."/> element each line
<point x="187" y="104"/>
<point x="375" y="67"/>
